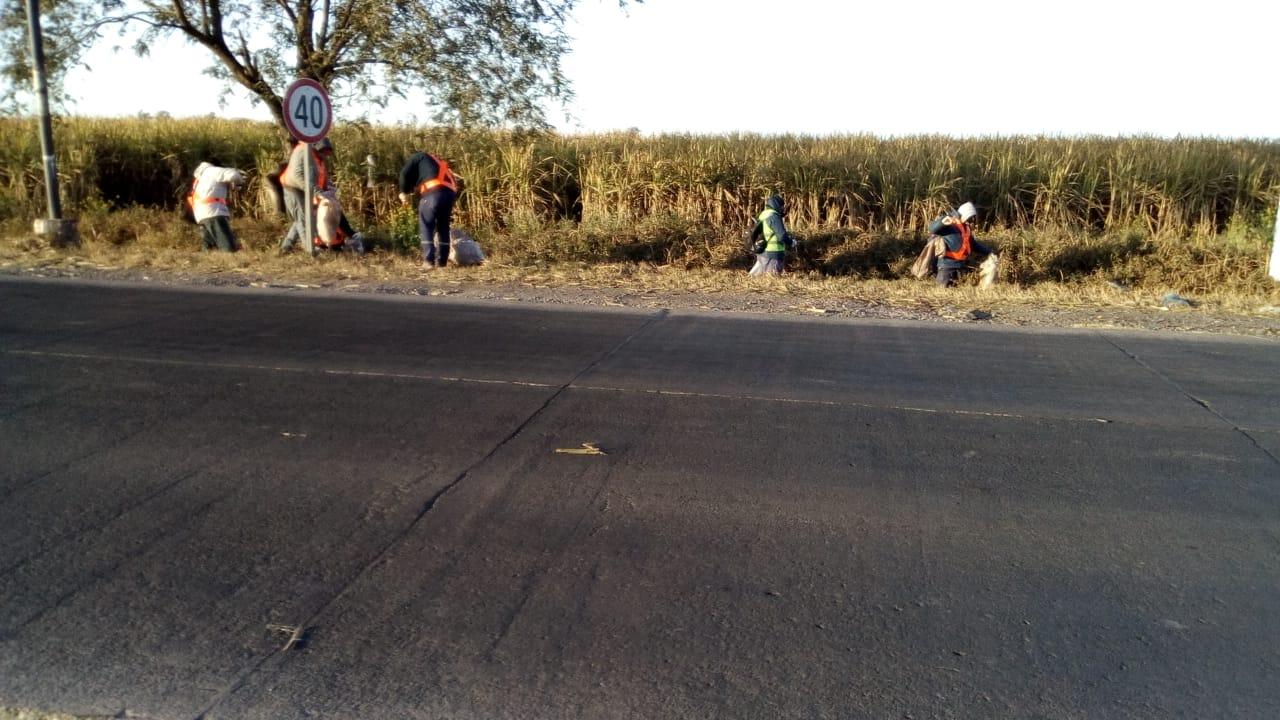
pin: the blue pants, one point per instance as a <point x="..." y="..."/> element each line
<point x="947" y="276"/>
<point x="768" y="263"/>
<point x="435" y="210"/>
<point x="216" y="233"/>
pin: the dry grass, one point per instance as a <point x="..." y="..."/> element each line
<point x="1068" y="215"/>
<point x="22" y="714"/>
<point x="142" y="240"/>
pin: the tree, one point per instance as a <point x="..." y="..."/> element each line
<point x="479" y="62"/>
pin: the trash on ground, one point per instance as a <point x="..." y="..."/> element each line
<point x="586" y="449"/>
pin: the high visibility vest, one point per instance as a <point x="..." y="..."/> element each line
<point x="965" y="248"/>
<point x="772" y="243"/>
<point x="192" y="198"/>
<point x="322" y="174"/>
<point x="444" y="178"/>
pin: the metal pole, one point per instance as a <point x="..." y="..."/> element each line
<point x="41" y="86"/>
<point x="55" y="228"/>
<point x="1274" y="270"/>
<point x="309" y="241"/>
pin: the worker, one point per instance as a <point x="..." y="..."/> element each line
<point x="208" y="203"/>
<point x="960" y="245"/>
<point x="771" y="228"/>
<point x="293" y="180"/>
<point x="437" y="189"/>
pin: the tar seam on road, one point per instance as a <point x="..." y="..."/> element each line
<point x="112" y="445"/>
<point x="50" y="545"/>
<point x="571" y="385"/>
<point x="427" y="507"/>
<point x="96" y="576"/>
<point x="270" y="368"/>
<point x="1186" y="393"/>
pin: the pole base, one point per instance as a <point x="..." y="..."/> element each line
<point x="59" y="233"/>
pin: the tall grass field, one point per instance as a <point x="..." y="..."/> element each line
<point x="1185" y="213"/>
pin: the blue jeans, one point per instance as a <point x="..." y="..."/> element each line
<point x="216" y="233"/>
<point x="947" y="276"/>
<point x="435" y="210"/>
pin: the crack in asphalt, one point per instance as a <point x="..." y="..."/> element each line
<point x="177" y="527"/>
<point x="427" y="507"/>
<point x="115" y="443"/>
<point x="531" y="583"/>
<point x="52" y="544"/>
<point x="1192" y="397"/>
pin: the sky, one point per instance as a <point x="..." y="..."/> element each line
<point x="821" y="67"/>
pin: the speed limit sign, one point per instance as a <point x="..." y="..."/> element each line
<point x="307" y="112"/>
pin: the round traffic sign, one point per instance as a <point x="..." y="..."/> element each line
<point x="307" y="112"/>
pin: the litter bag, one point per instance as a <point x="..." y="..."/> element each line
<point x="926" y="264"/>
<point x="988" y="271"/>
<point x="328" y="215"/>
<point x="463" y="249"/>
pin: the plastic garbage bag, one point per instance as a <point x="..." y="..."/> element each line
<point x="328" y="215"/>
<point x="926" y="264"/>
<point x="988" y="271"/>
<point x="463" y="249"/>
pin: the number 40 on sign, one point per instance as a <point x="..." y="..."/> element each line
<point x="307" y="112"/>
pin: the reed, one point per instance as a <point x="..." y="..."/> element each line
<point x="1062" y="206"/>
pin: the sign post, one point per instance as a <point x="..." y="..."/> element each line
<point x="308" y="114"/>
<point x="60" y="231"/>
<point x="1275" y="250"/>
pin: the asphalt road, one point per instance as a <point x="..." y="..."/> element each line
<point x="807" y="518"/>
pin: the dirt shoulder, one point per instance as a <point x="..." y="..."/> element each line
<point x="651" y="287"/>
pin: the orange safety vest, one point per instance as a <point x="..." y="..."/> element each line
<point x="444" y="179"/>
<point x="963" y="253"/>
<point x="208" y="200"/>
<point x="322" y="175"/>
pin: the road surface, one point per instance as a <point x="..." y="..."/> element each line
<point x="258" y="504"/>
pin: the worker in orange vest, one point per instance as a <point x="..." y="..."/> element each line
<point x="956" y="234"/>
<point x="293" y="180"/>
<point x="293" y="185"/>
<point x="437" y="189"/>
<point x="208" y="203"/>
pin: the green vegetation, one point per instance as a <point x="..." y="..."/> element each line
<point x="1185" y="213"/>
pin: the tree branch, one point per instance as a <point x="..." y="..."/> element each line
<point x="322" y="39"/>
<point x="287" y="9"/>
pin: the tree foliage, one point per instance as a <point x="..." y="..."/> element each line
<point x="478" y="62"/>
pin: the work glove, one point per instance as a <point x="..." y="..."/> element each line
<point x="404" y="198"/>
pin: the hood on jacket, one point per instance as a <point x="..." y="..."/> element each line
<point x="201" y="168"/>
<point x="774" y="203"/>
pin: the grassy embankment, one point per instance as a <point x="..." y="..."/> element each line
<point x="1068" y="215"/>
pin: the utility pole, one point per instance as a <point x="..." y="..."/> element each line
<point x="58" y="231"/>
<point x="1274" y="270"/>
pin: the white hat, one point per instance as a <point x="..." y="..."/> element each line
<point x="967" y="211"/>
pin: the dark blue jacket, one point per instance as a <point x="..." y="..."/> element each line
<point x="419" y="168"/>
<point x="950" y="235"/>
